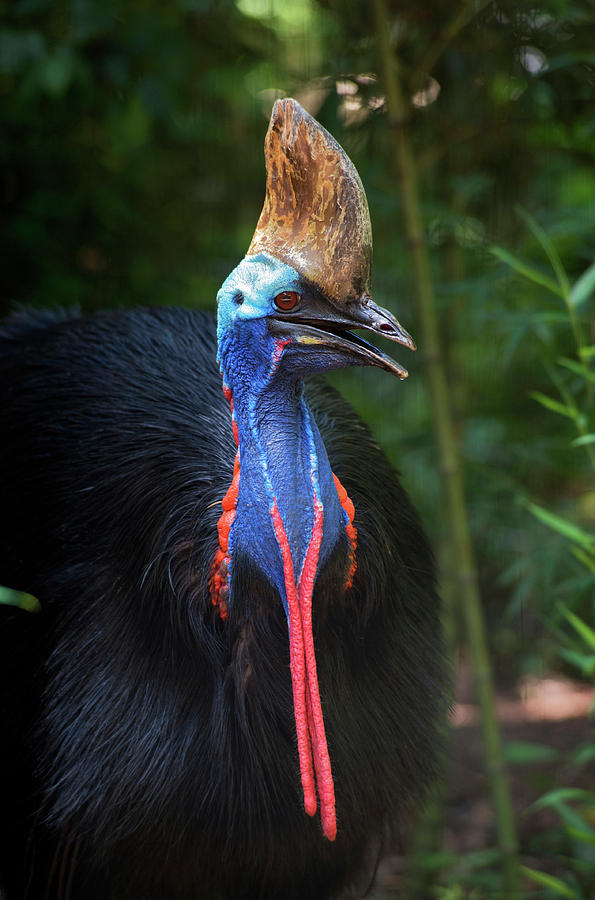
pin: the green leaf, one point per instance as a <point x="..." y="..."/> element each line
<point x="523" y="752"/>
<point x="576" y="367"/>
<point x="549" y="249"/>
<point x="452" y="892"/>
<point x="583" y="662"/>
<point x="526" y="270"/>
<point x="481" y="859"/>
<point x="569" y="58"/>
<point x="8" y="597"/>
<point x="586" y="558"/>
<point x="57" y="71"/>
<point x="584" y="755"/>
<point x="579" y="834"/>
<point x="550" y="881"/>
<point x="550" y="317"/>
<point x="584" y="630"/>
<point x="583" y="439"/>
<point x="588" y="351"/>
<point x="561" y="795"/>
<point x="573" y="820"/>
<point x="440" y="859"/>
<point x="554" y="405"/>
<point x="583" y="287"/>
<point x="567" y="529"/>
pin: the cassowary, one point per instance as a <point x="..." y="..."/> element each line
<point x="235" y="686"/>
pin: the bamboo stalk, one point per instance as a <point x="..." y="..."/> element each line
<point x="451" y="475"/>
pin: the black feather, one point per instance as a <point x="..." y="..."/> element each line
<point x="150" y="748"/>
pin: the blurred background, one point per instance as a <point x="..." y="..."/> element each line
<point x="132" y="172"/>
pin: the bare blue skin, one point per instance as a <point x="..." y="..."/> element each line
<point x="282" y="456"/>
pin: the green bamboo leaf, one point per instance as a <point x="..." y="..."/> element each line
<point x="526" y="270"/>
<point x="567" y="529"/>
<point x="587" y="837"/>
<point x="481" y="859"/>
<point x="573" y="820"/>
<point x="524" y="752"/>
<point x="586" y="558"/>
<point x="584" y="630"/>
<point x="550" y="317"/>
<point x="584" y="755"/>
<point x="578" y="368"/>
<point x="583" y="661"/>
<point x="583" y="439"/>
<point x="550" y="881"/>
<point x="18" y="598"/>
<point x="554" y="405"/>
<point x="561" y="795"/>
<point x="583" y="287"/>
<point x="548" y="248"/>
<point x="441" y="859"/>
<point x="587" y="351"/>
<point x="569" y="58"/>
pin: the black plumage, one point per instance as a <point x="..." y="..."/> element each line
<point x="150" y="746"/>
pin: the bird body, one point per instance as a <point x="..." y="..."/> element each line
<point x="238" y="618"/>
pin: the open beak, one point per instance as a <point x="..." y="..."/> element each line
<point x="324" y="325"/>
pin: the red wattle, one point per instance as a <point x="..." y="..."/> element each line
<point x="322" y="763"/>
<point x="350" y="529"/>
<point x="315" y="765"/>
<point x="219" y="580"/>
<point x="297" y="665"/>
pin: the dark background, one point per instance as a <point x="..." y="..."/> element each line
<point x="132" y="172"/>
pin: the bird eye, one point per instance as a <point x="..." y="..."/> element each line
<point x="286" y="300"/>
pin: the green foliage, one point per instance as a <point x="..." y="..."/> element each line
<point x="9" y="597"/>
<point x="121" y="129"/>
<point x="561" y="341"/>
<point x="573" y="841"/>
<point x="558" y="887"/>
<point x="527" y="752"/>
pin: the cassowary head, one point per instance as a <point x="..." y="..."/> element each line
<point x="285" y="312"/>
<point x="305" y="280"/>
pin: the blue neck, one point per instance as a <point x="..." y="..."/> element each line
<point x="282" y="458"/>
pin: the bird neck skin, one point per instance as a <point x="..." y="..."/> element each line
<point x="284" y="512"/>
<point x="286" y="483"/>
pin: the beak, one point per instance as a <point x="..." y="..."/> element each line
<point x="322" y="324"/>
